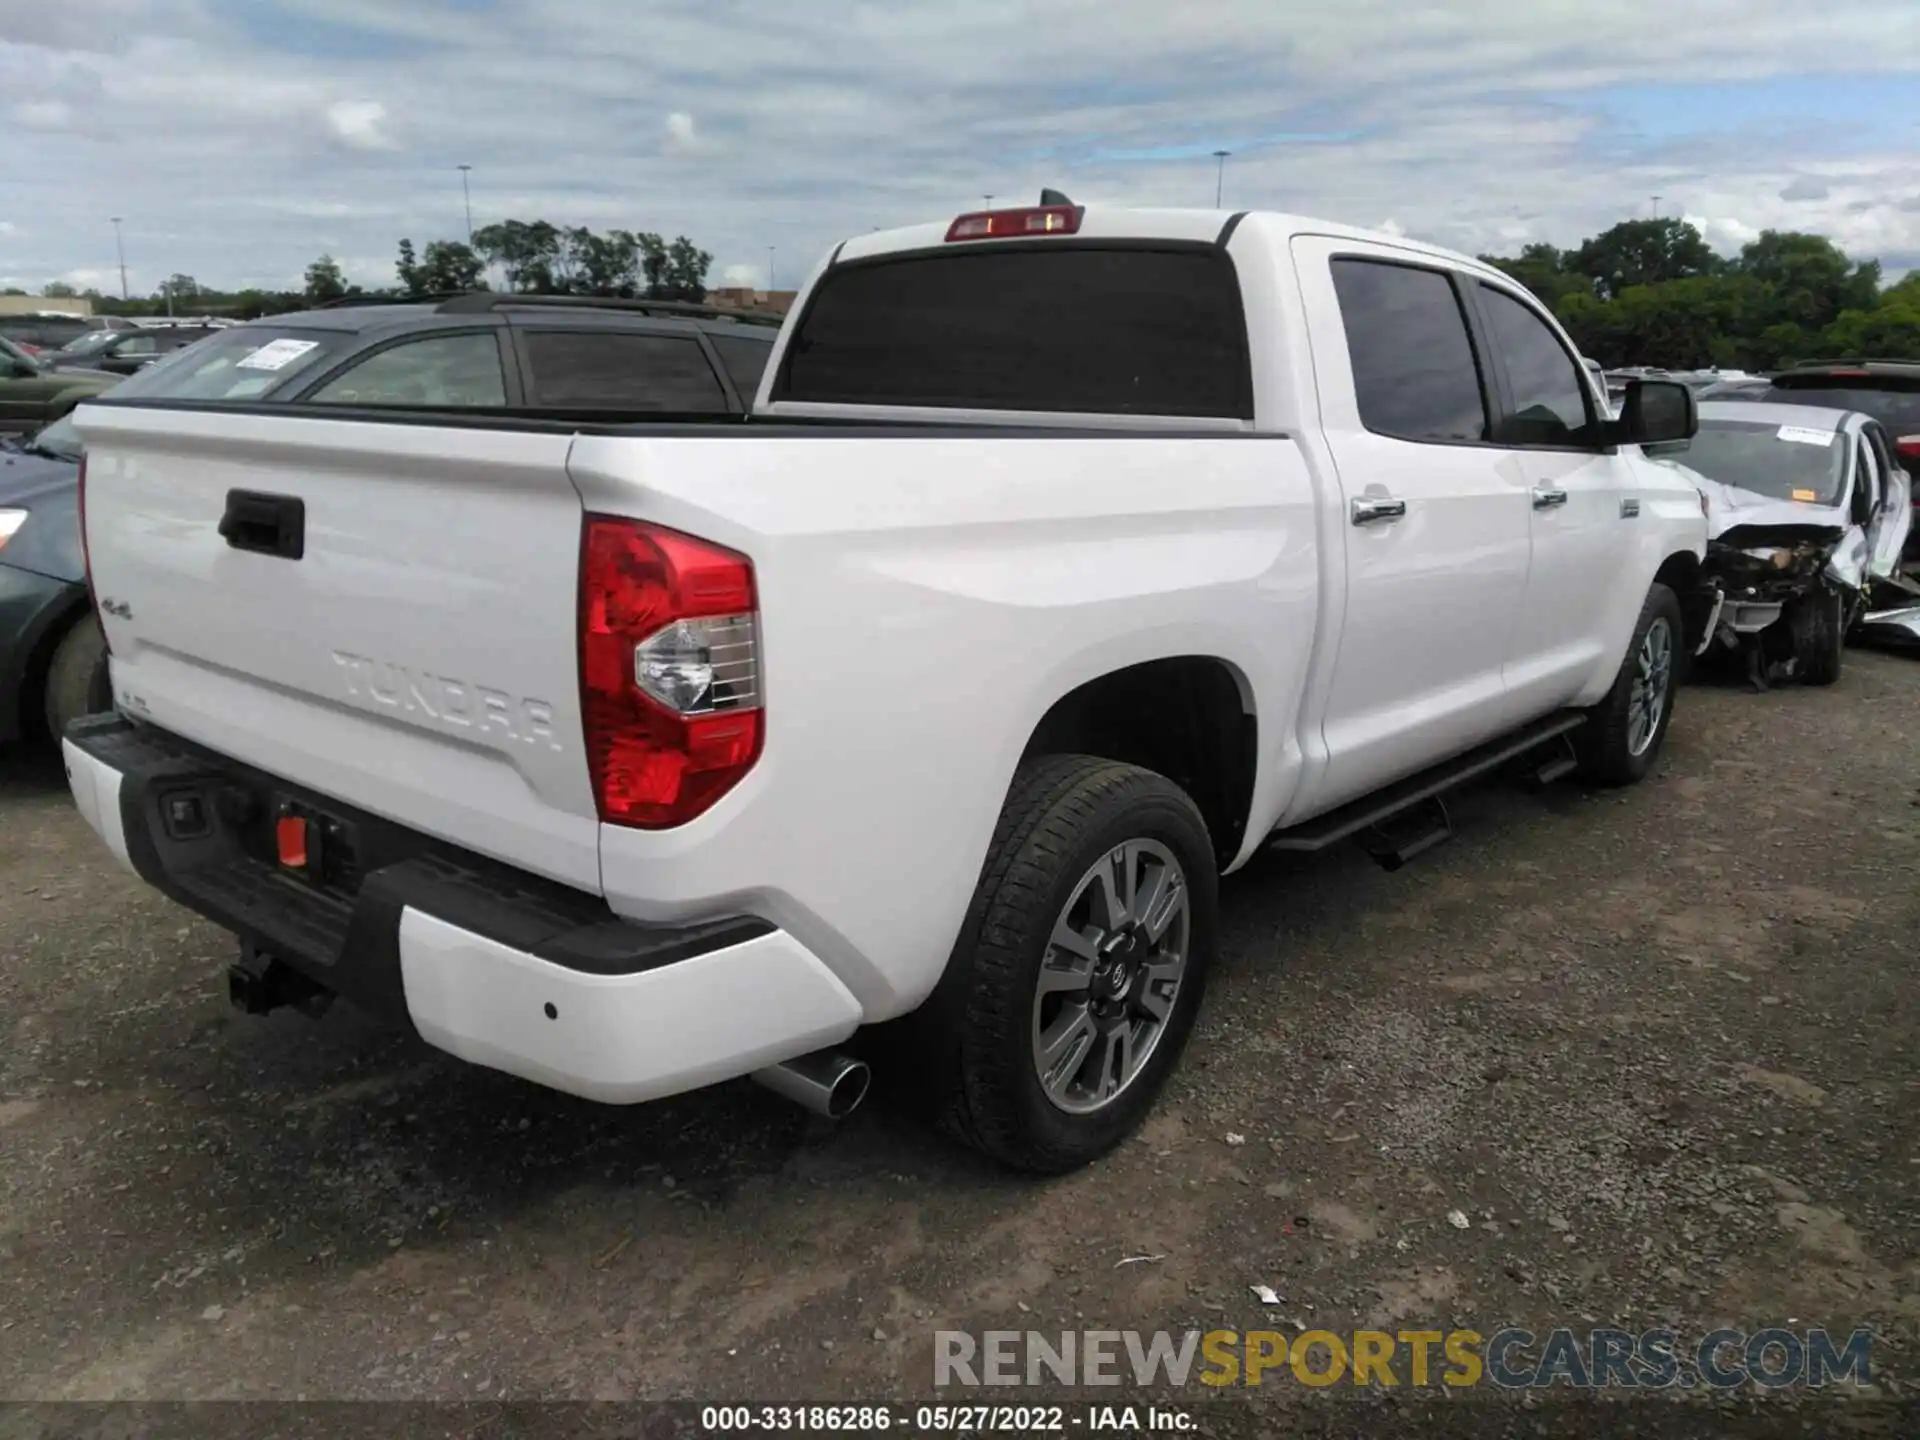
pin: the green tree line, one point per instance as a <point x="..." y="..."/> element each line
<point x="1653" y="292"/>
<point x="530" y="257"/>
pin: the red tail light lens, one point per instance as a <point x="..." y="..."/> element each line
<point x="1012" y="224"/>
<point x="1908" y="446"/>
<point x="669" y="671"/>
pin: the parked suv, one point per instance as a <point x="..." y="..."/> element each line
<point x="51" y="329"/>
<point x="558" y="354"/>
<point x="122" y="352"/>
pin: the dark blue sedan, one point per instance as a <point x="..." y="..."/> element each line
<point x="53" y="658"/>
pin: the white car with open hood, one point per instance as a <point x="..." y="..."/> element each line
<point x="1070" y="558"/>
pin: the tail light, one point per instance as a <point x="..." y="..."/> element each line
<point x="669" y="671"/>
<point x="1908" y="447"/>
<point x="1012" y="224"/>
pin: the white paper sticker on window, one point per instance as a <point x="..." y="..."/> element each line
<point x="1800" y="435"/>
<point x="276" y="354"/>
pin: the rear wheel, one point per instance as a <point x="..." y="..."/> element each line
<point x="77" y="680"/>
<point x="1818" y="621"/>
<point x="1080" y="967"/>
<point x="1624" y="732"/>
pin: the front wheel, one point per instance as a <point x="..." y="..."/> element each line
<point x="1624" y="732"/>
<point x="1080" y="967"/>
<point x="1818" y="624"/>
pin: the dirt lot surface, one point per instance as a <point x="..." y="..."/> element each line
<point x="1657" y="1048"/>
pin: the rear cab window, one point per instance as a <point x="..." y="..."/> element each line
<point x="1091" y="329"/>
<point x="244" y="363"/>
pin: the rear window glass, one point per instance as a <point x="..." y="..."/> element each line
<point x="612" y="370"/>
<point x="745" y="361"/>
<point x="1073" y="329"/>
<point x="239" y="364"/>
<point x="1897" y="406"/>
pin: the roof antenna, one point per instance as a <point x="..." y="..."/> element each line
<point x="1053" y="197"/>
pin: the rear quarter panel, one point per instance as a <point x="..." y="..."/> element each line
<point x="924" y="600"/>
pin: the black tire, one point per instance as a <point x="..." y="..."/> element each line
<point x="1818" y="622"/>
<point x="976" y="1035"/>
<point x="77" y="680"/>
<point x="1605" y="744"/>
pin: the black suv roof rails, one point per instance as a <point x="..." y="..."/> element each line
<point x="345" y="302"/>
<point x="484" y="300"/>
<point x="1853" y="360"/>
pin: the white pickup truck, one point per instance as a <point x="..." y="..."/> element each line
<point x="1070" y="558"/>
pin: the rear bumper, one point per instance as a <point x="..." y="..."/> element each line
<point x="498" y="967"/>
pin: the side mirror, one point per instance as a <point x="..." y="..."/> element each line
<point x="1657" y="412"/>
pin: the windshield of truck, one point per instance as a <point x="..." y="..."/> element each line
<point x="1782" y="462"/>
<point x="1078" y="329"/>
<point x="244" y="363"/>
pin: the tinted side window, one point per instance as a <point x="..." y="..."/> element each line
<point x="1549" y="401"/>
<point x="587" y="369"/>
<point x="746" y="361"/>
<point x="451" y="370"/>
<point x="1413" y="362"/>
<point x="137" y="345"/>
<point x="1062" y="330"/>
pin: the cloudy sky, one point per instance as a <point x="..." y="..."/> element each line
<point x="239" y="139"/>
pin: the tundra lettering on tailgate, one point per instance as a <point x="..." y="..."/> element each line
<point x="457" y="704"/>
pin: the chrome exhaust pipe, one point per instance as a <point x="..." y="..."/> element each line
<point x="825" y="1082"/>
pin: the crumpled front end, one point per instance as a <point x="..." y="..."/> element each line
<point x="1758" y="576"/>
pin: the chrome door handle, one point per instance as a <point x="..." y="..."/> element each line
<point x="1368" y="508"/>
<point x="1545" y="497"/>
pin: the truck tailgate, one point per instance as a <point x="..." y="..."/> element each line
<point x="389" y="617"/>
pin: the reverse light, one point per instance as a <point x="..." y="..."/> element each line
<point x="1013" y="224"/>
<point x="669" y="671"/>
<point x="10" y="523"/>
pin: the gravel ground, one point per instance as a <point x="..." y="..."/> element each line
<point x="1656" y="1047"/>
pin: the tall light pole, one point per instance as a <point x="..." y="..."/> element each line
<point x="1656" y="207"/>
<point x="769" y="270"/>
<point x="466" y="194"/>
<point x="1220" y="175"/>
<point x="120" y="249"/>
<point x="989" y="200"/>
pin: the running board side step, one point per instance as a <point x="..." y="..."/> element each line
<point x="1371" y="812"/>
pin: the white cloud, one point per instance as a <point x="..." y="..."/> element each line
<point x="89" y="279"/>
<point x="681" y="138"/>
<point x="737" y="275"/>
<point x="359" y="124"/>
<point x="246" y="149"/>
<point x="7" y="227"/>
<point x="43" y="114"/>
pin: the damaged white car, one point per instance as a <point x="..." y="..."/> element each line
<point x="1807" y="513"/>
